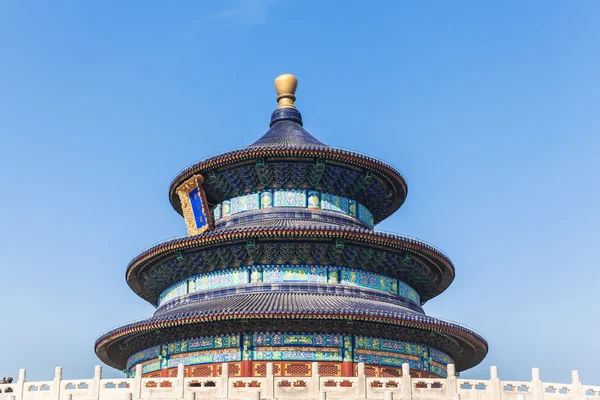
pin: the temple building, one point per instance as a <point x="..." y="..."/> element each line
<point x="283" y="264"/>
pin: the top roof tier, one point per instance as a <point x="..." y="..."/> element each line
<point x="288" y="157"/>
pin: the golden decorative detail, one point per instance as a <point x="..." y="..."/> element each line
<point x="202" y="352"/>
<point x="183" y="191"/>
<point x="286" y="85"/>
<point x="298" y="348"/>
<point x="387" y="354"/>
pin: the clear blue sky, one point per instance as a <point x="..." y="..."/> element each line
<point x="489" y="109"/>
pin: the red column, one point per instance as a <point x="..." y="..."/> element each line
<point x="247" y="347"/>
<point x="347" y="368"/>
<point x="348" y="356"/>
<point x="247" y="368"/>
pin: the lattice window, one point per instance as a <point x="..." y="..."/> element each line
<point x="234" y="369"/>
<point x="260" y="369"/>
<point x="172" y="372"/>
<point x="297" y="369"/>
<point x="202" y="370"/>
<point x="329" y="369"/>
<point x="371" y="372"/>
<point x="391" y="372"/>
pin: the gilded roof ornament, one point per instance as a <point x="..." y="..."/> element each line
<point x="286" y="85"/>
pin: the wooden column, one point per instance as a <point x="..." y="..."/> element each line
<point x="348" y="356"/>
<point x="247" y="348"/>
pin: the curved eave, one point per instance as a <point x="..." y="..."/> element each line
<point x="436" y="258"/>
<point x="389" y="173"/>
<point x="160" y="325"/>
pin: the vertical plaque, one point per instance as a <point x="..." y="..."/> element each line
<point x="194" y="205"/>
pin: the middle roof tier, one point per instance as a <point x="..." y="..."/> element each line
<point x="278" y="242"/>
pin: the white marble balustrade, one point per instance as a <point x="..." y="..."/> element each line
<point x="307" y="388"/>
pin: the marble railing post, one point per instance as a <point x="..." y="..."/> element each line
<point x="96" y="382"/>
<point x="495" y="388"/>
<point x="314" y="380"/>
<point x="179" y="381"/>
<point x="536" y="384"/>
<point x="451" y="384"/>
<point x="406" y="382"/>
<point x="224" y="380"/>
<point x="136" y="390"/>
<point x="576" y="386"/>
<point x="270" y="381"/>
<point x="362" y="382"/>
<point x="20" y="389"/>
<point x="388" y="395"/>
<point x="56" y="383"/>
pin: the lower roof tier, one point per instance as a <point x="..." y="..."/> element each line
<point x="421" y="266"/>
<point x="292" y="312"/>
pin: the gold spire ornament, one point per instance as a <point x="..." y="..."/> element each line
<point x="286" y="85"/>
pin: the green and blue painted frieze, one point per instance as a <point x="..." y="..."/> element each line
<point x="288" y="273"/>
<point x="277" y="346"/>
<point x="311" y="199"/>
<point x="284" y="339"/>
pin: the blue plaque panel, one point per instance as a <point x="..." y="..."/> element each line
<point x="194" y="205"/>
<point x="198" y="208"/>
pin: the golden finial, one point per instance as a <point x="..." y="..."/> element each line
<point x="286" y="85"/>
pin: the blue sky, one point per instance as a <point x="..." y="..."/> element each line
<point x="489" y="109"/>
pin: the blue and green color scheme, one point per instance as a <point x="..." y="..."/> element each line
<point x="289" y="347"/>
<point x="288" y="274"/>
<point x="310" y="199"/>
